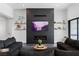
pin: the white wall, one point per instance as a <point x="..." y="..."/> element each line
<point x="6" y="10"/>
<point x="3" y="28"/>
<point x="59" y="15"/>
<point x="20" y="35"/>
<point x="73" y="11"/>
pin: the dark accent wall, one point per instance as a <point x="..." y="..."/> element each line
<point x="40" y="14"/>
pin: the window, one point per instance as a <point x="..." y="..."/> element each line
<point x="73" y="28"/>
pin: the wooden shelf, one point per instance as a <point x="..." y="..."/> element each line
<point x="20" y="29"/>
<point x="20" y="23"/>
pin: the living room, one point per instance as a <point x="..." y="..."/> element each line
<point x="39" y="29"/>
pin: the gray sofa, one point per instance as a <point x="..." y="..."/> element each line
<point x="13" y="46"/>
<point x="69" y="48"/>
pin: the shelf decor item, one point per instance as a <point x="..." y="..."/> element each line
<point x="20" y="23"/>
<point x="58" y="25"/>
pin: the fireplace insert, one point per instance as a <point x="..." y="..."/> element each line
<point x="43" y="38"/>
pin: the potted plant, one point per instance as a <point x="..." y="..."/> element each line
<point x="39" y="41"/>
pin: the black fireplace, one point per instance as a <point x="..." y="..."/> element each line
<point x="36" y="17"/>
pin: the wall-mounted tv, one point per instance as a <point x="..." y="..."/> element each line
<point x="39" y="25"/>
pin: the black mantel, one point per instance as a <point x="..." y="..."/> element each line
<point x="40" y="14"/>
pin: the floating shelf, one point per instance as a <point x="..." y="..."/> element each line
<point x="20" y="23"/>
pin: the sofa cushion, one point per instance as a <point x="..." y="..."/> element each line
<point x="4" y="50"/>
<point x="1" y="44"/>
<point x="71" y="42"/>
<point x="14" y="46"/>
<point x="68" y="47"/>
<point x="64" y="46"/>
<point x="59" y="45"/>
<point x="9" y="41"/>
<point x="59" y="52"/>
<point x="68" y="41"/>
<point x="77" y="44"/>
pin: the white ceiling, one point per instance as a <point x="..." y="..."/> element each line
<point x="39" y="5"/>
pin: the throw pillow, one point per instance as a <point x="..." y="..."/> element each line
<point x="4" y="50"/>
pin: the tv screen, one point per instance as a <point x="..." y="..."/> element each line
<point x="39" y="25"/>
